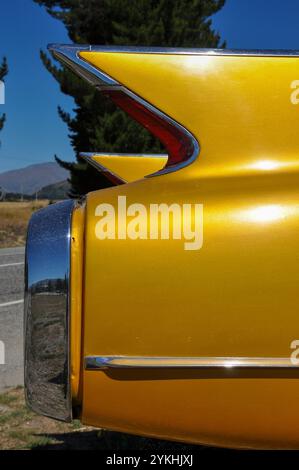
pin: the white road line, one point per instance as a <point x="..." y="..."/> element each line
<point x="15" y="302"/>
<point x="11" y="264"/>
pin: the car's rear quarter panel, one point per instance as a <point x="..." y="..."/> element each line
<point x="238" y="295"/>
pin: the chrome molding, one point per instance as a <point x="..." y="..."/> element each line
<point x="194" y="145"/>
<point x="69" y="55"/>
<point x="138" y="362"/>
<point x="178" y="50"/>
<point x="87" y="156"/>
<point x="133" y="155"/>
<point x="46" y="322"/>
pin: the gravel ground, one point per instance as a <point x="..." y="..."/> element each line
<point x="11" y="316"/>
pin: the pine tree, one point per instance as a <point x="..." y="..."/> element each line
<point x="3" y="73"/>
<point x="97" y="124"/>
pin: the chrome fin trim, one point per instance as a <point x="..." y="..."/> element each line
<point x="116" y="179"/>
<point x="47" y="316"/>
<point x="137" y="362"/>
<point x="113" y="177"/>
<point x="133" y="155"/>
<point x="69" y="55"/>
<point x="178" y="50"/>
<point x="193" y="143"/>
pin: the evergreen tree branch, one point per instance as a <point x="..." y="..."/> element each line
<point x="96" y="124"/>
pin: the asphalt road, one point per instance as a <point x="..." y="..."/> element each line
<point x="11" y="316"/>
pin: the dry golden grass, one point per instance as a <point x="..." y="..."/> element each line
<point x="14" y="218"/>
<point x="20" y="428"/>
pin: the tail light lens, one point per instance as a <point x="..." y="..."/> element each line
<point x="178" y="142"/>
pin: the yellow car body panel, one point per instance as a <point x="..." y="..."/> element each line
<point x="239" y="108"/>
<point x="235" y="297"/>
<point x="130" y="167"/>
<point x="156" y="333"/>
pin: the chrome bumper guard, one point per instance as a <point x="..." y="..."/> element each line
<point x="47" y="318"/>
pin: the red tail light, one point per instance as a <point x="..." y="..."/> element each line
<point x="176" y="140"/>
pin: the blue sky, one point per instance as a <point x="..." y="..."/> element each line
<point x="34" y="132"/>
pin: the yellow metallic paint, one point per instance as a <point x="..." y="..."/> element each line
<point x="131" y="167"/>
<point x="239" y="108"/>
<point x="238" y="295"/>
<point x="77" y="254"/>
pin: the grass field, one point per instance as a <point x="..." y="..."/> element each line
<point x="20" y="428"/>
<point x="14" y="218"/>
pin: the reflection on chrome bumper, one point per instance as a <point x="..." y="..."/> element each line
<point x="47" y="363"/>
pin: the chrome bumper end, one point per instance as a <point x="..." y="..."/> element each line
<point x="47" y="316"/>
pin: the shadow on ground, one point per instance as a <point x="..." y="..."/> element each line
<point x="112" y="441"/>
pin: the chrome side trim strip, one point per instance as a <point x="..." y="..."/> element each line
<point x="69" y="55"/>
<point x="87" y="156"/>
<point x="179" y="50"/>
<point x="137" y="362"/>
<point x="47" y="316"/>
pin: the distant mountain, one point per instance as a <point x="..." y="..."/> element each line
<point x="56" y="191"/>
<point x="32" y="178"/>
